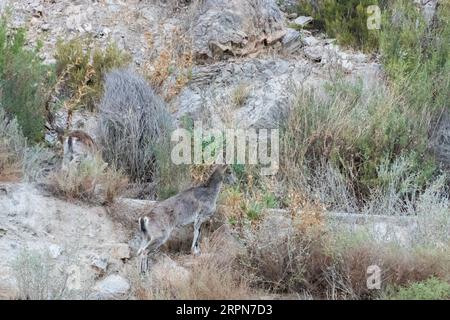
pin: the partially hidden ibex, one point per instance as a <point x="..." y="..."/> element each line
<point x="78" y="145"/>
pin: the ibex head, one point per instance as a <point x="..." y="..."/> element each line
<point x="222" y="173"/>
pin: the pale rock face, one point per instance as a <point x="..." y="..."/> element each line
<point x="169" y="271"/>
<point x="55" y="251"/>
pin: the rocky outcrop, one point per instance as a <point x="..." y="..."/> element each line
<point x="271" y="81"/>
<point x="83" y="242"/>
<point x="236" y="27"/>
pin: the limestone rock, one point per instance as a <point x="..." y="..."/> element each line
<point x="236" y="27"/>
<point x="100" y="264"/>
<point x="55" y="251"/>
<point x="292" y="41"/>
<point x="302" y="21"/>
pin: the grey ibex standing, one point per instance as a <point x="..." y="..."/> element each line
<point x="194" y="205"/>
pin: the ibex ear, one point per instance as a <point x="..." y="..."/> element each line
<point x="222" y="167"/>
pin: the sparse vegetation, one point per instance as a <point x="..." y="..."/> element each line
<point x="213" y="276"/>
<point x="37" y="278"/>
<point x="18" y="160"/>
<point x="344" y="20"/>
<point x="12" y="144"/>
<point x="351" y="138"/>
<point x="81" y="71"/>
<point x="171" y="69"/>
<point x="239" y="95"/>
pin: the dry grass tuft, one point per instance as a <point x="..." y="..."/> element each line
<point x="91" y="180"/>
<point x="171" y="70"/>
<point x="213" y="275"/>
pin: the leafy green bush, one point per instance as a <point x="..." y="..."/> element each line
<point x="82" y="70"/>
<point x="24" y="80"/>
<point x="346" y="20"/>
<point x="430" y="289"/>
<point x="416" y="56"/>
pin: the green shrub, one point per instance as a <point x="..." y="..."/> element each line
<point x="270" y="201"/>
<point x="24" y="80"/>
<point x="430" y="289"/>
<point x="253" y="210"/>
<point x="346" y="20"/>
<point x="82" y="70"/>
<point x="17" y="158"/>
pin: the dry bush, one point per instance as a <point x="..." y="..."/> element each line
<point x="37" y="278"/>
<point x="353" y="253"/>
<point x="278" y="255"/>
<point x="171" y="69"/>
<point x="90" y="180"/>
<point x="212" y="275"/>
<point x="305" y="256"/>
<point x="133" y="126"/>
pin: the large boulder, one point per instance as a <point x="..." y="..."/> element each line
<point x="235" y="27"/>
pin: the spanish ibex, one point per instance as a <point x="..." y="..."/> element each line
<point x="194" y="205"/>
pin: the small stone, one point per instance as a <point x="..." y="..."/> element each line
<point x="120" y="251"/>
<point x="38" y="12"/>
<point x="310" y="41"/>
<point x="303" y="21"/>
<point x="55" y="251"/>
<point x="112" y="287"/>
<point x="45" y="27"/>
<point x="314" y="53"/>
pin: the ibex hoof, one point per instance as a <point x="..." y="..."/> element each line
<point x="196" y="251"/>
<point x="143" y="263"/>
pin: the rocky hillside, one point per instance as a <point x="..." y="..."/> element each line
<point x="230" y="64"/>
<point x="233" y="44"/>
